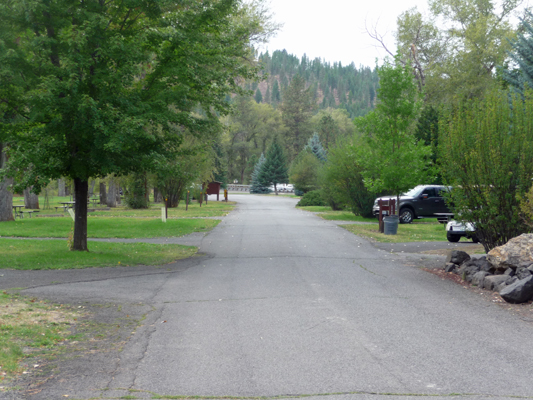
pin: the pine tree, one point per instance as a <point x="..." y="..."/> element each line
<point x="274" y="170"/>
<point x="258" y="96"/>
<point x="523" y="56"/>
<point x="256" y="186"/>
<point x="276" y="95"/>
<point x="315" y="147"/>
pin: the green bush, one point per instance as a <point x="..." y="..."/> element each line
<point x="312" y="198"/>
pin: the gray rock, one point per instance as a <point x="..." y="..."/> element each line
<point x="516" y="252"/>
<point x="508" y="282"/>
<point x="509" y="272"/>
<point x="450" y="267"/>
<point x="484" y="264"/>
<point x="467" y="270"/>
<point x="518" y="292"/>
<point x="492" y="281"/>
<point x="457" y="257"/>
<point x="523" y="273"/>
<point x="530" y="267"/>
<point x="479" y="277"/>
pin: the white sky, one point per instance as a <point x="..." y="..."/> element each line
<point x="334" y="30"/>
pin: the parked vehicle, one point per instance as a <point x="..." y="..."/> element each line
<point x="423" y="201"/>
<point x="455" y="230"/>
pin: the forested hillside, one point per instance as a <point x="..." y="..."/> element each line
<point x="331" y="85"/>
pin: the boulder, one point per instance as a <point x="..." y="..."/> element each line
<point x="509" y="272"/>
<point x="517" y="252"/>
<point x="519" y="292"/>
<point x="492" y="281"/>
<point x="450" y="267"/>
<point x="467" y="270"/>
<point x="457" y="257"/>
<point x="523" y="273"/>
<point x="508" y="282"/>
<point x="479" y="277"/>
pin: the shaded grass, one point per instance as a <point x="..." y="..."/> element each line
<point x="27" y="254"/>
<point x="211" y="209"/>
<point x="28" y="328"/>
<point x="101" y="227"/>
<point x="415" y="232"/>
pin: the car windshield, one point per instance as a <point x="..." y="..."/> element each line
<point x="414" y="192"/>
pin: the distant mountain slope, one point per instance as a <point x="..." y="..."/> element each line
<point x="336" y="86"/>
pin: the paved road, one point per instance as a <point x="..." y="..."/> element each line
<point x="284" y="303"/>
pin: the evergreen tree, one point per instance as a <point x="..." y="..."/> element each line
<point x="256" y="186"/>
<point x="315" y="147"/>
<point x="297" y="109"/>
<point x="276" y="95"/>
<point x="258" y="96"/>
<point x="274" y="170"/>
<point x="523" y="56"/>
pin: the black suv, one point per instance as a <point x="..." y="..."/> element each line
<point x="422" y="201"/>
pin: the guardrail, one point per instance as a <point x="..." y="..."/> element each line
<point x="238" y="188"/>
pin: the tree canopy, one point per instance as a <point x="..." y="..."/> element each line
<point x="103" y="87"/>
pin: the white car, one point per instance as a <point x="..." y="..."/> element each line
<point x="455" y="230"/>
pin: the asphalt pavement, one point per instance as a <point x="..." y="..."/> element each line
<point x="281" y="303"/>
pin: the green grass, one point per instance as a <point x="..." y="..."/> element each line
<point x="28" y="328"/>
<point x="415" y="232"/>
<point x="316" y="208"/>
<point x="28" y="254"/>
<point x="211" y="209"/>
<point x="345" y="216"/>
<point x="102" y="227"/>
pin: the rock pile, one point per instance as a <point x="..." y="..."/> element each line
<point x="507" y="269"/>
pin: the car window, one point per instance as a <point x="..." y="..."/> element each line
<point x="430" y="192"/>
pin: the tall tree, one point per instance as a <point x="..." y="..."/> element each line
<point x="394" y="160"/>
<point x="274" y="170"/>
<point x="455" y="51"/>
<point x="522" y="56"/>
<point x="297" y="109"/>
<point x="6" y="196"/>
<point x="105" y="83"/>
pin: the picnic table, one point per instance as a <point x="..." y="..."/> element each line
<point x="94" y="199"/>
<point x="18" y="211"/>
<point x="66" y="205"/>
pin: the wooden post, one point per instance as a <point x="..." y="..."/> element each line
<point x="166" y="207"/>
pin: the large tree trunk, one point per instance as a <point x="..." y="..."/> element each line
<point x="103" y="194"/>
<point x="61" y="188"/>
<point x="81" y="188"/>
<point x="6" y="197"/>
<point x="158" y="197"/>
<point x="91" y="188"/>
<point x="112" y="193"/>
<point x="31" y="200"/>
<point x="119" y="200"/>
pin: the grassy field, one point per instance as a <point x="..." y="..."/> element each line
<point x="31" y="254"/>
<point x="423" y="230"/>
<point x="211" y="209"/>
<point x="106" y="227"/>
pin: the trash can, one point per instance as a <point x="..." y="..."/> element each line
<point x="391" y="224"/>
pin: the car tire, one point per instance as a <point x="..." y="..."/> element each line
<point x="453" y="238"/>
<point x="406" y="216"/>
<point x="475" y="239"/>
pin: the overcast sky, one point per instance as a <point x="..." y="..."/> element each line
<point x="334" y="30"/>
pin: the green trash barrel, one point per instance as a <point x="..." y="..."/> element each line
<point x="391" y="224"/>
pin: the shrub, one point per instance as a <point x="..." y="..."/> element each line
<point x="312" y="198"/>
<point x="486" y="154"/>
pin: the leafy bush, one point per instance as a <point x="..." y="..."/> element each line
<point x="486" y="151"/>
<point x="312" y="198"/>
<point x="304" y="172"/>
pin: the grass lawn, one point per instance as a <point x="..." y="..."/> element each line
<point x="28" y="254"/>
<point x="211" y="209"/>
<point x="106" y="227"/>
<point x="418" y="231"/>
<point x="29" y="328"/>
